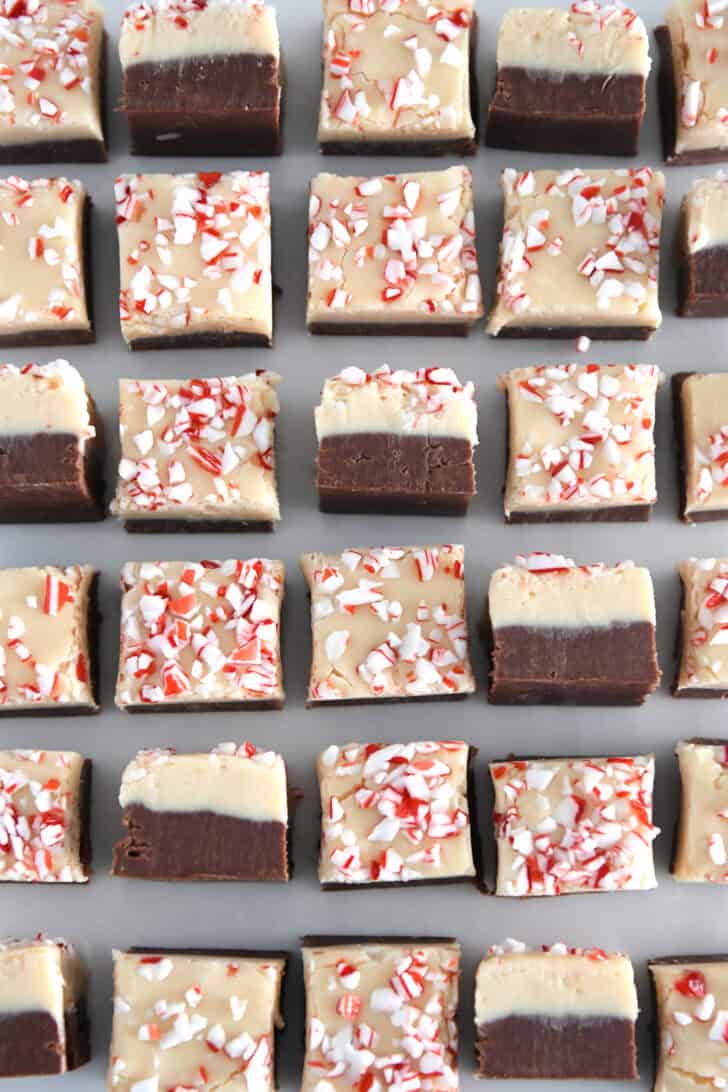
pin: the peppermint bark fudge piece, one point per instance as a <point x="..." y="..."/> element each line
<point x="201" y="77"/>
<point x="555" y="1013"/>
<point x="701" y="854"/>
<point x="188" y="1019"/>
<point x="371" y="1001"/>
<point x="581" y="442"/>
<point x="398" y="79"/>
<point x="393" y="255"/>
<point x="51" y="462"/>
<point x="45" y="287"/>
<point x="566" y="826"/>
<point x="703" y="670"/>
<point x="52" y="97"/>
<point x="566" y="634"/>
<point x="703" y="284"/>
<point x="43" y="1012"/>
<point x="198" y="454"/>
<point x="195" y="257"/>
<point x="199" y="636"/>
<point x="579" y="254"/>
<point x="48" y="624"/>
<point x="396" y="441"/>
<point x="217" y="816"/>
<point x="691" y="996"/>
<point x="701" y="420"/>
<point x="570" y="80"/>
<point x="388" y="623"/>
<point x="396" y="813"/>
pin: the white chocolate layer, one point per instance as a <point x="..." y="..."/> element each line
<point x="699" y="47"/>
<point x="176" y="30"/>
<point x="44" y="398"/>
<point x="40" y="976"/>
<point x="701" y="852"/>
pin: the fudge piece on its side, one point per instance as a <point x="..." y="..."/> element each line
<point x="700" y="854"/>
<point x="691" y="997"/>
<point x="703" y="243"/>
<point x="700" y="405"/>
<point x="703" y="668"/>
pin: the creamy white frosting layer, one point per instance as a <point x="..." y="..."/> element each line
<point x="171" y="30"/>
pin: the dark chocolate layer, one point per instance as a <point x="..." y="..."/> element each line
<point x="140" y="525"/>
<point x="557" y="1048"/>
<point x="203" y="706"/>
<point x="48" y="478"/>
<point x="31" y="1046"/>
<point x="669" y="106"/>
<point x="596" y="333"/>
<point x="624" y="513"/>
<point x="704" y="283"/>
<point x="434" y="327"/>
<point x="205" y="340"/>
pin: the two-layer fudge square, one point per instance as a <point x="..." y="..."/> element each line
<point x="198" y="454"/>
<point x="216" y="816"/>
<point x="555" y="1013"/>
<point x="691" y="995"/>
<point x="393" y="255"/>
<point x="50" y="448"/>
<point x="701" y="418"/>
<point x="201" y="77"/>
<point x="42" y="1009"/>
<point x="579" y="254"/>
<point x="581" y="442"/>
<point x="395" y="813"/>
<point x="703" y="283"/>
<point x="397" y="441"/>
<point x="567" y="826"/>
<point x="45" y="290"/>
<point x="52" y="95"/>
<point x="195" y="1019"/>
<point x="570" y="80"/>
<point x="388" y="623"/>
<point x="398" y="79"/>
<point x="195" y="259"/>
<point x="48" y="626"/>
<point x="45" y="805"/>
<point x="703" y="637"/>
<point x="701" y="846"/>
<point x="197" y="636"/>
<point x="566" y="634"/>
<point x="381" y="1005"/>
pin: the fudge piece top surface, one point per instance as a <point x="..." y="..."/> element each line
<point x="704" y="399"/>
<point x="580" y="435"/>
<point x="40" y="975"/>
<point x="388" y="622"/>
<point x="44" y="398"/>
<point x="705" y="208"/>
<point x="394" y="813"/>
<point x="396" y="71"/>
<point x="155" y="31"/>
<point x="698" y="38"/>
<point x="701" y="847"/>
<point x="402" y="996"/>
<point x="425" y="402"/>
<point x="241" y="782"/>
<point x="556" y="981"/>
<point x="579" y="247"/>
<point x="41" y="276"/>
<point x="200" y="631"/>
<point x="41" y="796"/>
<point x="195" y="253"/>
<point x="704" y="661"/>
<point x="551" y="590"/>
<point x="583" y="39"/>
<point x="198" y="447"/>
<point x="175" y="1012"/>
<point x="393" y="249"/>
<point x="692" y="1002"/>
<point x="574" y="825"/>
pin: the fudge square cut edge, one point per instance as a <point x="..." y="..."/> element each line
<point x="555" y="1013"/>
<point x="700" y="405"/>
<point x="703" y="244"/>
<point x="388" y="623"/>
<point x="217" y="816"/>
<point x="700" y="854"/>
<point x="571" y="826"/>
<point x="691" y="999"/>
<point x="567" y="634"/>
<point x="703" y="658"/>
<point x="201" y="636"/>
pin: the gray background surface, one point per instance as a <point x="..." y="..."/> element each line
<point x="115" y="913"/>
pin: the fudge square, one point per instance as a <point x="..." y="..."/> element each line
<point x="566" y="634"/>
<point x="395" y="813"/>
<point x="52" y="62"/>
<point x="388" y="623"/>
<point x="703" y="282"/>
<point x="48" y="626"/>
<point x="566" y="826"/>
<point x="701" y="853"/>
<point x="44" y="277"/>
<point x="43" y="1008"/>
<point x="198" y="454"/>
<point x="200" y="635"/>
<point x="52" y="450"/>
<point x="217" y="816"/>
<point x="377" y="1005"/>
<point x="195" y="257"/>
<point x="555" y="1013"/>
<point x="397" y="441"/>
<point x="570" y="80"/>
<point x="581" y="442"/>
<point x="579" y="254"/>
<point x="397" y="78"/>
<point x="703" y="670"/>
<point x="691" y="995"/>
<point x="45" y="802"/>
<point x="195" y="1019"/>
<point x="393" y="255"/>
<point x="701" y="414"/>
<point x="201" y="77"/>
